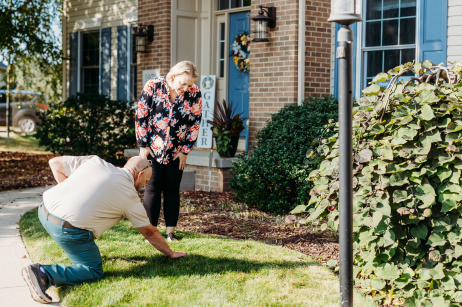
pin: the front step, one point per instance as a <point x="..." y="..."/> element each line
<point x="188" y="181"/>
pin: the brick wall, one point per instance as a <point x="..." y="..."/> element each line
<point x="318" y="48"/>
<point x="273" y="75"/>
<point x="219" y="182"/>
<point x="157" y="13"/>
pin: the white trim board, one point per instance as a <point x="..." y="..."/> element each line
<point x="91" y="23"/>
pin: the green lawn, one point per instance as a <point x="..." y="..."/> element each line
<point x="216" y="272"/>
<point x="19" y="142"/>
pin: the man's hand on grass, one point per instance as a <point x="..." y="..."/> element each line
<point x="175" y="255"/>
<point x="157" y="240"/>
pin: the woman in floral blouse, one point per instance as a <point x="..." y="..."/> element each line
<point x="167" y="123"/>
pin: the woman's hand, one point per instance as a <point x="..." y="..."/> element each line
<point x="145" y="152"/>
<point x="182" y="157"/>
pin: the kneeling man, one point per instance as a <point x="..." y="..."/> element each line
<point x="91" y="197"/>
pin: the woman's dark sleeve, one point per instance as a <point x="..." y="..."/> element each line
<point x="194" y="124"/>
<point x="142" y="114"/>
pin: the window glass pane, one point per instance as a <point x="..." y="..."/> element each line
<point x="134" y="54"/>
<point x="90" y="77"/>
<point x="246" y="2"/>
<point x="222" y="31"/>
<point x="235" y="3"/>
<point x="407" y="55"/>
<point x="374" y="63"/>
<point x="373" y="33"/>
<point x="374" y="9"/>
<point x="222" y="69"/>
<point x="390" y="32"/>
<point x="90" y="49"/>
<point x="222" y="50"/>
<point x="133" y="79"/>
<point x="223" y="4"/>
<point x="390" y="8"/>
<point x="408" y="8"/>
<point x="20" y="97"/>
<point x="391" y="59"/>
<point x="407" y="31"/>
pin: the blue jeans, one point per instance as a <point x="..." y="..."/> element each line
<point x="80" y="248"/>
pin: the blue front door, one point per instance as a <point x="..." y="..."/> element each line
<point x="238" y="82"/>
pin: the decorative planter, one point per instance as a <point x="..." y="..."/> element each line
<point x="232" y="150"/>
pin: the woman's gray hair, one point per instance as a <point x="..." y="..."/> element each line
<point x="136" y="164"/>
<point x="182" y="67"/>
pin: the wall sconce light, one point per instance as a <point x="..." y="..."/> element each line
<point x="262" y="22"/>
<point x="145" y="33"/>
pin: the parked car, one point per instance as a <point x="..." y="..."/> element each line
<point x="23" y="105"/>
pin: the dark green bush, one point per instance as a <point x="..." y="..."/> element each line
<point x="88" y="124"/>
<point x="272" y="176"/>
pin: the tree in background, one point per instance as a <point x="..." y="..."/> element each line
<point x="29" y="46"/>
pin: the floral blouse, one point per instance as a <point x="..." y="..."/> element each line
<point x="165" y="126"/>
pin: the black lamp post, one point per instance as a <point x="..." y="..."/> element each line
<point x="145" y="33"/>
<point x="262" y="22"/>
<point x="345" y="12"/>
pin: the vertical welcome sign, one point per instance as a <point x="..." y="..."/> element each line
<point x="208" y="85"/>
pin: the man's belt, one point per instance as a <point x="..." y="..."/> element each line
<point x="57" y="221"/>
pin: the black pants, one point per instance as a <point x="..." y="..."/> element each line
<point x="166" y="179"/>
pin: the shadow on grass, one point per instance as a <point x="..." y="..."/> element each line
<point x="148" y="267"/>
<point x="193" y="264"/>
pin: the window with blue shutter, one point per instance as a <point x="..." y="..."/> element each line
<point x="389" y="36"/>
<point x="122" y="74"/>
<point x="73" y="53"/>
<point x="433" y="30"/>
<point x="105" y="65"/>
<point x="394" y="32"/>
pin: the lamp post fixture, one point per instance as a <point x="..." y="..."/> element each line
<point x="345" y="12"/>
<point x="262" y="22"/>
<point x="145" y="33"/>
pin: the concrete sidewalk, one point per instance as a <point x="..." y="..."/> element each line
<point x="13" y="255"/>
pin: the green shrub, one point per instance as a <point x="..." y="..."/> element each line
<point x="272" y="176"/>
<point x="88" y="124"/>
<point x="407" y="187"/>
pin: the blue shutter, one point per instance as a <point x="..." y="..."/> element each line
<point x="122" y="78"/>
<point x="73" y="53"/>
<point x="355" y="43"/>
<point x="433" y="30"/>
<point x="105" y="65"/>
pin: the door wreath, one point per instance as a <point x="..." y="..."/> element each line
<point x="240" y="51"/>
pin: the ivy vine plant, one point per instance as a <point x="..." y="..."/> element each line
<point x="407" y="186"/>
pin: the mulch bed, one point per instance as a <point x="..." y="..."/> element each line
<point x="220" y="214"/>
<point x="202" y="212"/>
<point x="19" y="170"/>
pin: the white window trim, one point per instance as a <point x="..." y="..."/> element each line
<point x="360" y="35"/>
<point x="131" y="18"/>
<point x="90" y="23"/>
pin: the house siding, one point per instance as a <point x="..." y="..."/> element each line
<point x="112" y="13"/>
<point x="454" y="51"/>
